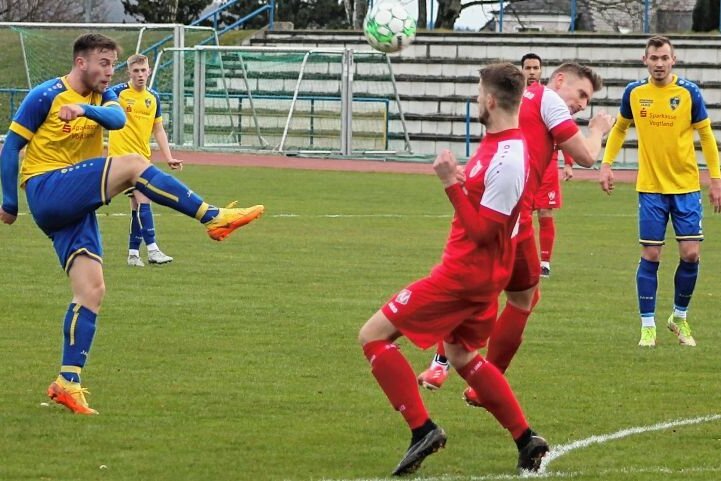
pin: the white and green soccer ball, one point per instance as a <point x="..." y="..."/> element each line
<point x="388" y="27"/>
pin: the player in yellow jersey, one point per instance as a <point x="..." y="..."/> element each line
<point x="666" y="110"/>
<point x="66" y="180"/>
<point x="144" y="118"/>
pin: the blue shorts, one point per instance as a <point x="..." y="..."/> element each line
<point x="685" y="210"/>
<point x="63" y="203"/>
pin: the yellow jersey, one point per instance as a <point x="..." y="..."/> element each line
<point x="142" y="109"/>
<point x="53" y="143"/>
<point x="665" y="119"/>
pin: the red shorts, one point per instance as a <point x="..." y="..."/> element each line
<point x="548" y="195"/>
<point x="427" y="313"/>
<point x="527" y="265"/>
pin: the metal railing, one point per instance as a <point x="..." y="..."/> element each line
<point x="214" y="16"/>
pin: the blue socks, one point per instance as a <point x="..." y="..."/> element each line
<point x="135" y="231"/>
<point x="646" y="285"/>
<point x="684" y="282"/>
<point x="166" y="190"/>
<point x="78" y="330"/>
<point x="147" y="224"/>
<point x="647" y="281"/>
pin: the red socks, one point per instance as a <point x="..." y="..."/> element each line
<point x="506" y="336"/>
<point x="495" y="394"/>
<point x="398" y="381"/>
<point x="546" y="237"/>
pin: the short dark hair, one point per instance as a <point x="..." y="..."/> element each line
<point x="581" y="71"/>
<point x="531" y="56"/>
<point x="88" y="42"/>
<point x="658" y="41"/>
<point x="505" y="82"/>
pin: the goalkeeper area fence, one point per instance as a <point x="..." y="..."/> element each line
<point x="334" y="101"/>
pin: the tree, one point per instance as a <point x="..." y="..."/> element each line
<point x="165" y="11"/>
<point x="615" y="14"/>
<point x="41" y="11"/>
<point x="705" y="16"/>
<point x="422" y="14"/>
<point x="302" y="13"/>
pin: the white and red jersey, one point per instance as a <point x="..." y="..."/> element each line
<point x="496" y="178"/>
<point x="546" y="122"/>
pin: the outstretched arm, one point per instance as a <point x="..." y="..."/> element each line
<point x="9" y="167"/>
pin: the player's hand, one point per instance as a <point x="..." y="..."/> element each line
<point x="446" y="167"/>
<point x="567" y="172"/>
<point x="7" y="218"/>
<point x="606" y="178"/>
<point x="175" y="164"/>
<point x="602" y="122"/>
<point x="714" y="195"/>
<point x="460" y="175"/>
<point x="70" y="112"/>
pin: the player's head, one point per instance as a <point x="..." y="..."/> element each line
<point x="138" y="71"/>
<point x="531" y="65"/>
<point x="94" y="57"/>
<point x="499" y="91"/>
<point x="575" y="84"/>
<point x="659" y="58"/>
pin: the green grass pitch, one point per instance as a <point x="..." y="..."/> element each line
<point x="239" y="360"/>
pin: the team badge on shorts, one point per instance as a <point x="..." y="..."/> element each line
<point x="403" y="297"/>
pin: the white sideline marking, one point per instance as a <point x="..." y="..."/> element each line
<point x="351" y="216"/>
<point x="560" y="474"/>
<point x="563" y="449"/>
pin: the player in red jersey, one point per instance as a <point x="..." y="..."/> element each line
<point x="546" y="121"/>
<point x="548" y="196"/>
<point x="457" y="302"/>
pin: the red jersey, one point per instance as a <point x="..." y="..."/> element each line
<point x="546" y="122"/>
<point x="496" y="178"/>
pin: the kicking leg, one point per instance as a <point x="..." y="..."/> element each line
<point x="132" y="170"/>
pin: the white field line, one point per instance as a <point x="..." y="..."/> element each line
<point x="660" y="470"/>
<point x="350" y="216"/>
<point x="563" y="449"/>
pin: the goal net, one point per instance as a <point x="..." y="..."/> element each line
<point x="334" y="101"/>
<point x="40" y="51"/>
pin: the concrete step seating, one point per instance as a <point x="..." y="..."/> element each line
<point x="437" y="75"/>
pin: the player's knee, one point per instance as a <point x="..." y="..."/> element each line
<point x="364" y="336"/>
<point x="651" y="254"/>
<point x="691" y="257"/>
<point x="377" y="328"/>
<point x="458" y="357"/>
<point x="93" y="294"/>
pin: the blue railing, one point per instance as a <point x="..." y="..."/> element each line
<point x="153" y="50"/>
<point x="214" y="16"/>
<point x="16" y="95"/>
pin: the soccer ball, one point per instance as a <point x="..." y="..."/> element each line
<point x="388" y="27"/>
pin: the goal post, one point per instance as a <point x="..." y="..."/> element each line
<point x="289" y="100"/>
<point x="40" y="51"/>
